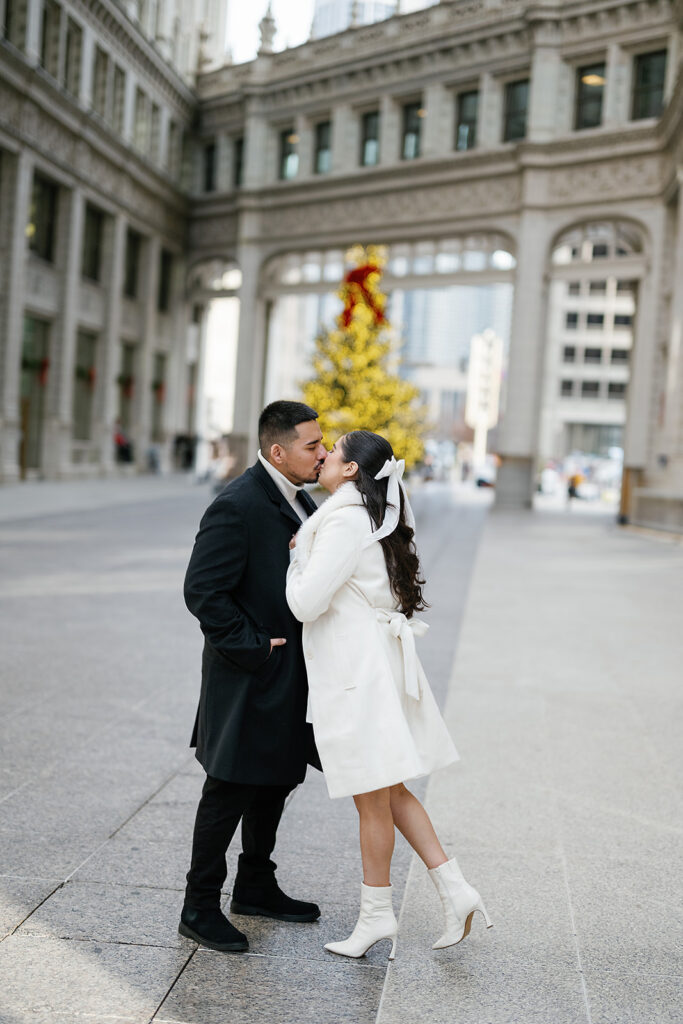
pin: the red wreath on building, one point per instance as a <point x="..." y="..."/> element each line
<point x="43" y="372"/>
<point x="356" y="289"/>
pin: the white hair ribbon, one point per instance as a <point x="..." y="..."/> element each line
<point x="393" y="470"/>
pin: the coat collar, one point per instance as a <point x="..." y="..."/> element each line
<point x="277" y="497"/>
<point x="345" y="496"/>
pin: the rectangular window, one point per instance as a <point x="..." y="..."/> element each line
<point x="566" y="388"/>
<point x="569" y="354"/>
<point x="93" y="237"/>
<point x="574" y="288"/>
<point x="165" y="273"/>
<point x="141" y="123"/>
<point x="625" y="287"/>
<point x="595" y="321"/>
<point x="42" y="226"/>
<point x="369" y="139"/>
<point x="132" y="264"/>
<point x="14" y="27"/>
<point x="173" y="154"/>
<point x="516" y="109"/>
<point x="412" y="124"/>
<point x="623" y="320"/>
<point x="590" y="389"/>
<point x="322" y="163"/>
<point x="209" y="167"/>
<point x="571" y="321"/>
<point x="619" y="357"/>
<point x="84" y="385"/>
<point x="598" y="288"/>
<point x="289" y="154"/>
<point x="600" y="251"/>
<point x="616" y="391"/>
<point x="119" y="103"/>
<point x="126" y="383"/>
<point x="590" y="88"/>
<point x="649" y="70"/>
<point x="154" y="133"/>
<point x="99" y="82"/>
<point x="592" y="355"/>
<point x="72" y="57"/>
<point x="49" y="41"/>
<point x="238" y="162"/>
<point x="158" y="396"/>
<point x="467" y="106"/>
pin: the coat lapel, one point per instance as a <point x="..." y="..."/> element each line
<point x="275" y="494"/>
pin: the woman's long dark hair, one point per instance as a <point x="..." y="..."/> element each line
<point x="370" y="452"/>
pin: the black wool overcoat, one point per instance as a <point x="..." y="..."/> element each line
<point x="251" y="721"/>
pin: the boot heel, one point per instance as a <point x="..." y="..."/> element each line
<point x="392" y="955"/>
<point x="482" y="910"/>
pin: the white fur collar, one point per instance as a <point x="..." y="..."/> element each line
<point x="346" y="495"/>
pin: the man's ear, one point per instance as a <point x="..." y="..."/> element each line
<point x="276" y="454"/>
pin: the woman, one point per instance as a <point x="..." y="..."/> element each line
<point x="354" y="582"/>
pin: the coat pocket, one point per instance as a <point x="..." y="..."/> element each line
<point x="345" y="674"/>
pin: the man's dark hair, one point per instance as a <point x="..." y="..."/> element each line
<point x="278" y="422"/>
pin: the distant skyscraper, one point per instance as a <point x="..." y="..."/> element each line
<point x="332" y="16"/>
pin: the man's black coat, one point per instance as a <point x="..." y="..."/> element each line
<point x="251" y="721"/>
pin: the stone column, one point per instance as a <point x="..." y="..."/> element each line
<point x="615" y="109"/>
<point x="59" y="418"/>
<point x="544" y="84"/>
<point x="251" y="347"/>
<point x="257" y="167"/>
<point x="389" y="131"/>
<point x="437" y="125"/>
<point x="34" y="13"/>
<point x="110" y="354"/>
<point x="224" y="162"/>
<point x="643" y="354"/>
<point x="305" y="146"/>
<point x="345" y="140"/>
<point x="489" y="127"/>
<point x="142" y="427"/>
<point x="88" y="55"/>
<point x="15" y="188"/>
<point x="520" y="422"/>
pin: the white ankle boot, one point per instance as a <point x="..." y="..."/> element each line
<point x="376" y="921"/>
<point x="459" y="899"/>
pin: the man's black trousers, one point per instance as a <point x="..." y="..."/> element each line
<point x="220" y="809"/>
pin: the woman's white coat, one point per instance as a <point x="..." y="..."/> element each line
<point x="375" y="719"/>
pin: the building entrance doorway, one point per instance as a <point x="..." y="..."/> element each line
<point x="35" y="365"/>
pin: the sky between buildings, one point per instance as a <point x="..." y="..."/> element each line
<point x="293" y="19"/>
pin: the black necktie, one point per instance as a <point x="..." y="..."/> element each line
<point x="302" y="505"/>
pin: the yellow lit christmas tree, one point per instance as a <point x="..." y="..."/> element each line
<point x="353" y="386"/>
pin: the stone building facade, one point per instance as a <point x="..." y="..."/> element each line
<point x="467" y="121"/>
<point x="96" y="335"/>
<point x="481" y="140"/>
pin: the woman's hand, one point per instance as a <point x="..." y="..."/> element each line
<point x="277" y="642"/>
<point x="292" y="543"/>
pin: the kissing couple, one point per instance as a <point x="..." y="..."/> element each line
<point x="345" y="692"/>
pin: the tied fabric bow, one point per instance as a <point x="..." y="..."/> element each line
<point x="406" y="630"/>
<point x="393" y="470"/>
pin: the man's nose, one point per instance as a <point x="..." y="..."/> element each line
<point x="322" y="453"/>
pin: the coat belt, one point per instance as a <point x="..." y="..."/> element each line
<point x="405" y="630"/>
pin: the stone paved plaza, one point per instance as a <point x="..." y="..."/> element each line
<point x="564" y="701"/>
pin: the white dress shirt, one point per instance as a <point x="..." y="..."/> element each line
<point x="285" y="486"/>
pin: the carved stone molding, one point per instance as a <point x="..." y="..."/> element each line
<point x="613" y="179"/>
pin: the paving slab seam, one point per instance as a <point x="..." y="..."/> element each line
<point x="249" y="955"/>
<point x="554" y="797"/>
<point x="32" y="911"/>
<point x="90" y="939"/>
<point x="173" y="984"/>
<point x="118" y="829"/>
<point x="13" y="792"/>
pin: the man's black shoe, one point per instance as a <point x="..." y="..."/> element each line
<point x="271" y="901"/>
<point x="212" y="929"/>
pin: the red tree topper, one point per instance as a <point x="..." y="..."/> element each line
<point x="356" y="282"/>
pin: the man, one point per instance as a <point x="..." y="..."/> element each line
<point x="251" y="734"/>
